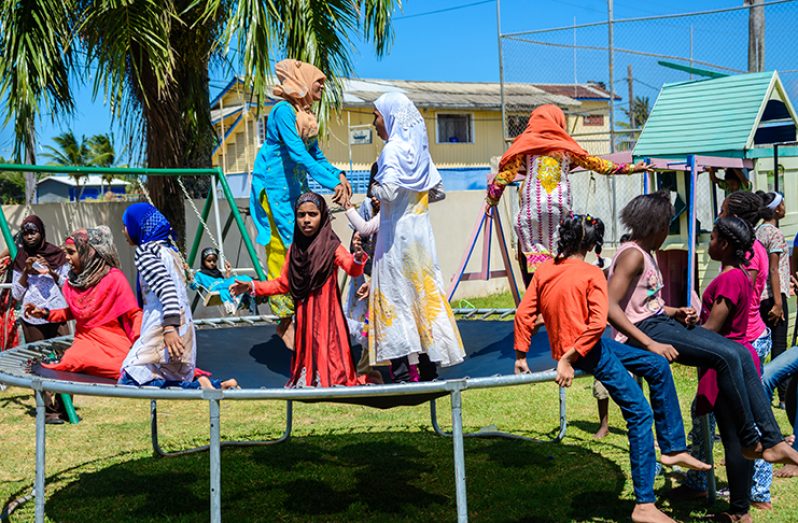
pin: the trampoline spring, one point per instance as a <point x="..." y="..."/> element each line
<point x="506" y="313"/>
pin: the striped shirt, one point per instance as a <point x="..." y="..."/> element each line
<point x="154" y="276"/>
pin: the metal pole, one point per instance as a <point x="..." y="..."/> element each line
<point x="776" y="167"/>
<point x="691" y="232"/>
<point x="708" y="442"/>
<point x="349" y="141"/>
<point x="38" y="484"/>
<point x="459" y="456"/>
<point x="611" y="66"/>
<point x="575" y="77"/>
<point x="7" y="236"/>
<point x="216" y="463"/>
<point x="228" y="194"/>
<point x="501" y="71"/>
<point x="563" y="416"/>
<point x="218" y="224"/>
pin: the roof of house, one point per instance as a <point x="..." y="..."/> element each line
<point x="521" y="97"/>
<point x="718" y="116"/>
<point x="85" y="181"/>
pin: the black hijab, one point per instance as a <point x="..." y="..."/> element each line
<point x="213" y="273"/>
<point x="312" y="259"/>
<point x="53" y="255"/>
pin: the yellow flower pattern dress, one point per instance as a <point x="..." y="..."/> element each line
<point x="545" y="197"/>
<point x="408" y="309"/>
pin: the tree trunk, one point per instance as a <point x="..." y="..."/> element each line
<point x="178" y="123"/>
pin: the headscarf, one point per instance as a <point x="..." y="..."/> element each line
<point x="296" y="79"/>
<point x="312" y="259"/>
<point x="53" y="254"/>
<point x="405" y="160"/>
<point x="213" y="273"/>
<point x="145" y="223"/>
<point x="545" y="133"/>
<point x="97" y="256"/>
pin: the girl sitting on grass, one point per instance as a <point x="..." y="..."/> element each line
<point x="165" y="353"/>
<point x="571" y="296"/>
<point x="639" y="314"/>
<point x="322" y="354"/>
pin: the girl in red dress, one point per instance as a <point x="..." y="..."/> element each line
<point x="322" y="356"/>
<point x="99" y="299"/>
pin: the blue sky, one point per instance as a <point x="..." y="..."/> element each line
<point x="456" y="45"/>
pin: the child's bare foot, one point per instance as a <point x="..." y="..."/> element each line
<point x="205" y="383"/>
<point x="683" y="459"/>
<point x="602" y="432"/>
<point x="787" y="471"/>
<point x="230" y="384"/>
<point x="649" y="513"/>
<point x="752" y="453"/>
<point x="781" y="453"/>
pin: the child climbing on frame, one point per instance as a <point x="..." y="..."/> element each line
<point x="640" y="316"/>
<point x="322" y="354"/>
<point x="571" y="295"/>
<point x="165" y="353"/>
<point x="211" y="279"/>
<point x="725" y="310"/>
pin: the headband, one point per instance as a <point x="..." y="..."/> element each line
<point x="776" y="201"/>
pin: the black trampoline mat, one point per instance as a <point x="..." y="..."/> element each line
<point x="257" y="358"/>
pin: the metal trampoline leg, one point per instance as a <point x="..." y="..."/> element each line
<point x="459" y="457"/>
<point x="38" y="485"/>
<point x="708" y="440"/>
<point x="216" y="462"/>
<point x="433" y="412"/>
<point x="563" y="417"/>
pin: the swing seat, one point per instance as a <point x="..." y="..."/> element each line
<point x="211" y="299"/>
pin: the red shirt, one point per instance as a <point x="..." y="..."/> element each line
<point x="572" y="297"/>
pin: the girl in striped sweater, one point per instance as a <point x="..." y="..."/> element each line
<point x="165" y="353"/>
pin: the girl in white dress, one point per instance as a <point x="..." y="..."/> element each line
<point x="410" y="320"/>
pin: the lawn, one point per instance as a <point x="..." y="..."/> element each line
<point x="344" y="463"/>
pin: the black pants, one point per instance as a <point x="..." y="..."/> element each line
<point x="738" y="380"/>
<point x="400" y="369"/>
<point x="739" y="471"/>
<point x="778" y="333"/>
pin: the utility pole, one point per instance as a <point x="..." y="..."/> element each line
<point x="631" y="88"/>
<point x="756" y="35"/>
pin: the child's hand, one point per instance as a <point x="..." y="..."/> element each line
<point x="174" y="343"/>
<point x="665" y="350"/>
<point x="686" y="315"/>
<point x="357" y="247"/>
<point x="565" y="373"/>
<point x="363" y="292"/>
<point x="240" y="287"/>
<point x="32" y="311"/>
<point x="521" y="366"/>
<point x="227" y="266"/>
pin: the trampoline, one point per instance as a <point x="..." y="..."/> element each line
<point x="248" y="349"/>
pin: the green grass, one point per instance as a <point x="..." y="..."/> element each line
<point x="344" y="463"/>
<point x="492" y="301"/>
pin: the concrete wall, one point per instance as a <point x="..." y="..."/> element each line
<point x="453" y="220"/>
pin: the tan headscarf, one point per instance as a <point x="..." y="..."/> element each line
<point x="296" y="79"/>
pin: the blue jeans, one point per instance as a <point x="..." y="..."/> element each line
<point x="162" y="384"/>
<point x="656" y="370"/>
<point x="604" y="364"/>
<point x="777" y="372"/>
<point x="763" y="471"/>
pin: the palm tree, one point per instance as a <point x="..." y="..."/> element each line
<point x="153" y="56"/>
<point x="12" y="186"/>
<point x="637" y="117"/>
<point x="69" y="152"/>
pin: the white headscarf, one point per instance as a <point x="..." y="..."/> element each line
<point x="405" y="160"/>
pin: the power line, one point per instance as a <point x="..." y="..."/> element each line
<point x="444" y="10"/>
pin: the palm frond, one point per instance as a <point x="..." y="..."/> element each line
<point x="35" y="63"/>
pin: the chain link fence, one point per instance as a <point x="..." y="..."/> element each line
<point x="647" y="53"/>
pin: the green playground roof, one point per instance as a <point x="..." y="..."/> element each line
<point x="717" y="116"/>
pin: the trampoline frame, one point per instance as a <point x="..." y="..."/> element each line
<point x="12" y="363"/>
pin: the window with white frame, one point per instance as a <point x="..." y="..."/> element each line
<point x="262" y="129"/>
<point x="455" y="128"/>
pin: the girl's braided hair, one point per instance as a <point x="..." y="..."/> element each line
<point x="580" y="232"/>
<point x="740" y="235"/>
<point x="746" y="205"/>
